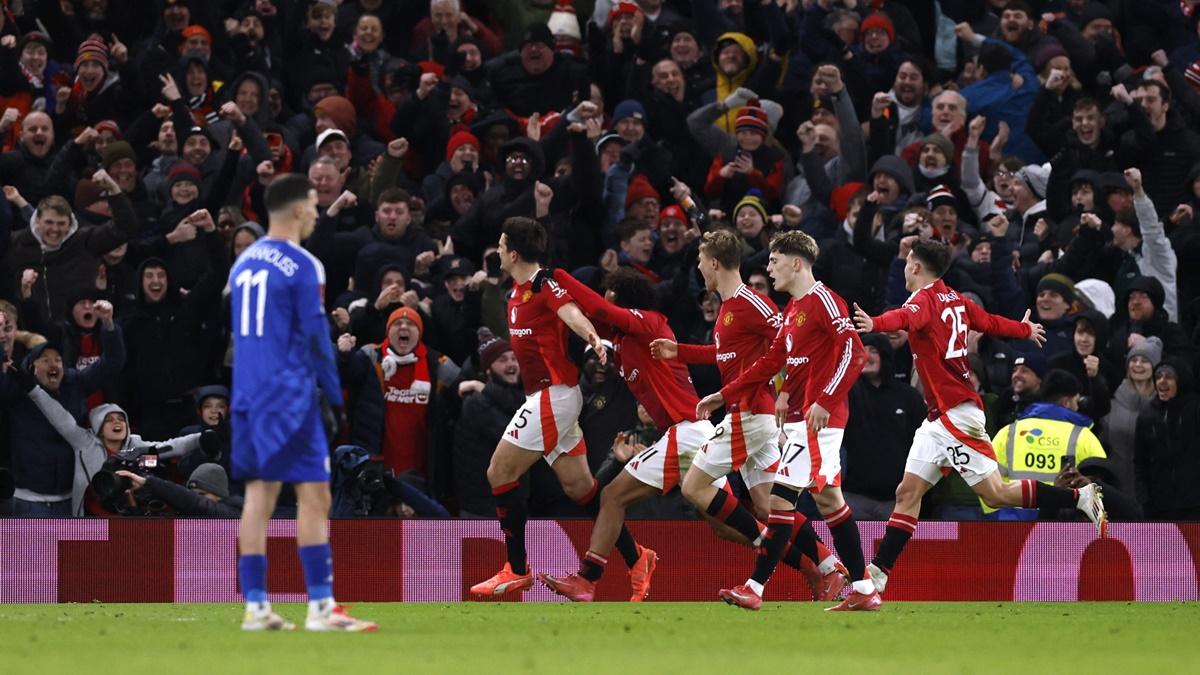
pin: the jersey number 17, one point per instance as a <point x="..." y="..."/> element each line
<point x="250" y="281"/>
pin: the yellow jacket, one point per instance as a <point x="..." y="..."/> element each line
<point x="1033" y="447"/>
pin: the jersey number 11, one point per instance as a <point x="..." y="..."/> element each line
<point x="246" y="281"/>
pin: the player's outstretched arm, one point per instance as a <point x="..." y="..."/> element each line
<point x="571" y="315"/>
<point x="1000" y="326"/>
<point x="596" y="307"/>
<point x="664" y="349"/>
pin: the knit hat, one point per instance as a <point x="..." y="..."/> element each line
<point x="1093" y="11"/>
<point x="181" y="171"/>
<point x="940" y="195"/>
<point x="628" y="108"/>
<point x="943" y="144"/>
<point x="211" y="478"/>
<point x="621" y="7"/>
<point x="117" y="150"/>
<point x="639" y="189"/>
<point x="1098" y="295"/>
<point x="1035" y="177"/>
<point x="92" y="49"/>
<point x="881" y="21"/>
<point x="459" y="139"/>
<point x="1045" y="52"/>
<point x="672" y="212"/>
<point x="1058" y="283"/>
<point x="196" y="131"/>
<point x="490" y="349"/>
<point x="755" y="202"/>
<point x="1034" y="361"/>
<point x="839" y="199"/>
<point x="563" y="22"/>
<point x="1150" y="349"/>
<point x="822" y="103"/>
<point x="1111" y="181"/>
<point x="752" y="118"/>
<point x="330" y="134"/>
<point x="192" y="31"/>
<point x="32" y="37"/>
<point x="341" y="111"/>
<point x="405" y="313"/>
<point x="608" y="138"/>
<point x="538" y="32"/>
<point x="211" y="391"/>
<point x="110" y="126"/>
<point x="1148" y="285"/>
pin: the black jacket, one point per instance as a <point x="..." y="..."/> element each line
<point x="880" y="430"/>
<point x="1167" y="454"/>
<point x="525" y="94"/>
<point x="484" y="417"/>
<point x="188" y="503"/>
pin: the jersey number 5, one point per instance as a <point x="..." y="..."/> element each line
<point x="958" y="331"/>
<point x="247" y="281"/>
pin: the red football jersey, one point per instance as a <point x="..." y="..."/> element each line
<point x="539" y="337"/>
<point x="822" y="352"/>
<point x="746" y="325"/>
<point x="937" y="319"/>
<point x="664" y="388"/>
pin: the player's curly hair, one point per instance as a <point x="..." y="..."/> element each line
<point x="632" y="288"/>
<point x="796" y="243"/>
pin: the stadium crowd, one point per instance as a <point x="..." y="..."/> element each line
<point x="1052" y="145"/>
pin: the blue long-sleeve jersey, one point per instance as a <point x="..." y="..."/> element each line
<point x="281" y="345"/>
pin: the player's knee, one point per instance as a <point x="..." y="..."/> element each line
<point x="907" y="495"/>
<point x="498" y="474"/>
<point x="578" y="489"/>
<point x="694" y="492"/>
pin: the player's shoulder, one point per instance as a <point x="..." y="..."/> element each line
<point x="748" y="300"/>
<point x="828" y="300"/>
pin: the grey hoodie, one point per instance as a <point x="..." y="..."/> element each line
<point x="89" y="449"/>
<point x="1120" y="432"/>
<point x="37" y="234"/>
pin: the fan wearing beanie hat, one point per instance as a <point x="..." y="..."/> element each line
<point x="564" y="26"/>
<point x="497" y="361"/>
<point x="91" y="64"/>
<point x="746" y="161"/>
<point x="462" y="151"/>
<point x="629" y="120"/>
<point x="878" y="33"/>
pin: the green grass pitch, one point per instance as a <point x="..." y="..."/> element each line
<point x="481" y="638"/>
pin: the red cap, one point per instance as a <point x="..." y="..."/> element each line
<point x="673" y="212"/>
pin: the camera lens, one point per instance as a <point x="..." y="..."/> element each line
<point x="108" y="485"/>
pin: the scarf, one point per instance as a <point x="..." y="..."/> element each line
<point x="406" y="399"/>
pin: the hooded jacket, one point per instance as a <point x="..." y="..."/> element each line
<point x="1167" y="460"/>
<point x="74" y="263"/>
<point x="42" y="460"/>
<point x="89" y="449"/>
<point x="1175" y="341"/>
<point x="727" y="84"/>
<point x="1097" y="394"/>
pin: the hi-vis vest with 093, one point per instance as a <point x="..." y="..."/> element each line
<point x="1034" y="448"/>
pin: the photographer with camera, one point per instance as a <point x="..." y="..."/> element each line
<point x="363" y="486"/>
<point x="206" y="495"/>
<point x="43" y="462"/>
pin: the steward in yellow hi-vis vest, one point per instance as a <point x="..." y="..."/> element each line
<point x="1045" y="436"/>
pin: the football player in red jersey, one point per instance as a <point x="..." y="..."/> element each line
<point x="747" y="440"/>
<point x="953" y="438"/>
<point x="664" y="389"/>
<point x="546" y="426"/>
<point x="822" y="355"/>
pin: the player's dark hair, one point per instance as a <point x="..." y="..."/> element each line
<point x="724" y="246"/>
<point x="933" y="254"/>
<point x="995" y="58"/>
<point x="628" y="227"/>
<point x="796" y="243"/>
<point x="632" y="288"/>
<point x="392" y="196"/>
<point x="527" y="237"/>
<point x="285" y="191"/>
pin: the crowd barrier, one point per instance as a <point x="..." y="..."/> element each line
<point x="154" y="560"/>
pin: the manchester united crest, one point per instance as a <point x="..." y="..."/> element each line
<point x="526" y="296"/>
<point x="800" y="319"/>
<point x="727" y="319"/>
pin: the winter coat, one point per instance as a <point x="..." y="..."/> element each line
<point x="1165" y="157"/>
<point x="1167" y="460"/>
<point x="73" y="264"/>
<point x="524" y="94"/>
<point x="87" y="447"/>
<point x="21" y="169"/>
<point x="883" y="420"/>
<point x="484" y="418"/>
<point x="995" y="98"/>
<point x="1120" y="432"/>
<point x="42" y="460"/>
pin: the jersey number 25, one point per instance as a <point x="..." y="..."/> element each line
<point x="958" y="331"/>
<point x="247" y="281"/>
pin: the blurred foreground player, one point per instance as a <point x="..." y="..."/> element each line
<point x="938" y="320"/>
<point x="283" y="362"/>
<point x="546" y="426"/>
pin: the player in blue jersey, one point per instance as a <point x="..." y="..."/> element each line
<point x="282" y="363"/>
